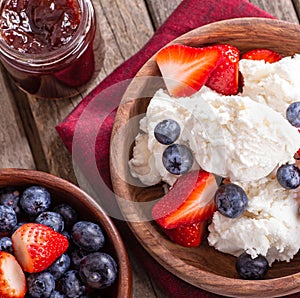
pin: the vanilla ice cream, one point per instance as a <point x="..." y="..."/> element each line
<point x="274" y="84"/>
<point x="230" y="136"/>
<point x="270" y="226"/>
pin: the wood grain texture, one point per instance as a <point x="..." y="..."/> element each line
<point x="281" y="9"/>
<point x="161" y="10"/>
<point x="27" y="135"/>
<point x="297" y="7"/>
<point x="14" y="148"/>
<point x="198" y="265"/>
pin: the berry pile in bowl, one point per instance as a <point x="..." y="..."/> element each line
<point x="56" y="241"/>
<point x="211" y="156"/>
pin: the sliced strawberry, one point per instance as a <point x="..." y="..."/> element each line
<point x="37" y="246"/>
<point x="262" y="54"/>
<point x="12" y="278"/>
<point x="186" y="69"/>
<point x="225" y="78"/>
<point x="190" y="200"/>
<point x="189" y="236"/>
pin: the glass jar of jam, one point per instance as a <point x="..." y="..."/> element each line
<point x="47" y="45"/>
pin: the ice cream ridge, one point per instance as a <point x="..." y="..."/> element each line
<point x="224" y="138"/>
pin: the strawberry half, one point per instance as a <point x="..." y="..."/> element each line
<point x="262" y="54"/>
<point x="225" y="78"/>
<point x="12" y="278"/>
<point x="37" y="246"/>
<point x="190" y="200"/>
<point x="188" y="236"/>
<point x="186" y="69"/>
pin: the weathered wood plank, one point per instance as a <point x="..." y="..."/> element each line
<point x="281" y="9"/>
<point x="14" y="148"/>
<point x="125" y="27"/>
<point x="161" y="10"/>
<point x="297" y="6"/>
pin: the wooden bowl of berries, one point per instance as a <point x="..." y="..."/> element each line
<point x="56" y="241"/>
<point x="204" y="157"/>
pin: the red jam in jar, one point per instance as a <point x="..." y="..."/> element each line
<point x="47" y="45"/>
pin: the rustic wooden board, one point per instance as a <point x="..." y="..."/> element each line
<point x="160" y="10"/>
<point x="297" y="6"/>
<point x="14" y="147"/>
<point x="281" y="9"/>
<point x="32" y="141"/>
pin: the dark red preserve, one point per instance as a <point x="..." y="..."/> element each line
<point x="39" y="26"/>
<point x="47" y="45"/>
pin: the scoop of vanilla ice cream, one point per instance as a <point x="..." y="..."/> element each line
<point x="146" y="163"/>
<point x="143" y="161"/>
<point x="270" y="225"/>
<point x="230" y="136"/>
<point x="243" y="140"/>
<point x="274" y="84"/>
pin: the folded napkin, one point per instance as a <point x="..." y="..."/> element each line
<point x="189" y="15"/>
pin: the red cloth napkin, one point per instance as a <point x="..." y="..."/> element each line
<point x="92" y="143"/>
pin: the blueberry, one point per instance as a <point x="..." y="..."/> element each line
<point x="66" y="234"/>
<point x="293" y="114"/>
<point x="68" y="213"/>
<point x="8" y="218"/>
<point x="60" y="266"/>
<point x="6" y="245"/>
<point x="40" y="284"/>
<point x="51" y="219"/>
<point x="177" y="159"/>
<point x="17" y="226"/>
<point x="88" y="235"/>
<point x="35" y="200"/>
<point x="249" y="268"/>
<point x="167" y="131"/>
<point x="98" y="270"/>
<point x="56" y="294"/>
<point x="77" y="255"/>
<point x="288" y="176"/>
<point x="10" y="197"/>
<point x="231" y="200"/>
<point x="71" y="284"/>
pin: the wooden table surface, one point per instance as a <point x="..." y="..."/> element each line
<point x="28" y="138"/>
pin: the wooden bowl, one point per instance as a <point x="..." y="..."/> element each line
<point x="64" y="191"/>
<point x="203" y="267"/>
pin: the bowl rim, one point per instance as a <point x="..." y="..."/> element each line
<point x="28" y="175"/>
<point x="162" y="256"/>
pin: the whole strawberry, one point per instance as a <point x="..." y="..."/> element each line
<point x="12" y="278"/>
<point x="37" y="246"/>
